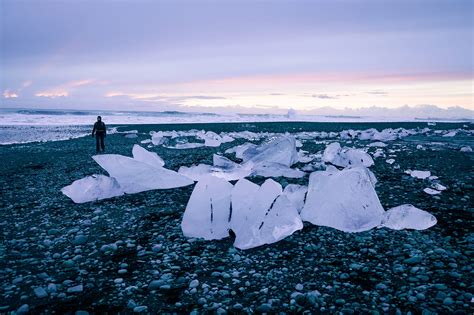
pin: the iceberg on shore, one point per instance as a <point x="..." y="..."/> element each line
<point x="262" y="215"/>
<point x="408" y="217"/>
<point x="258" y="215"/>
<point x="91" y="188"/>
<point x="345" y="200"/>
<point x="135" y="176"/>
<point x="207" y="213"/>
<point x="345" y="157"/>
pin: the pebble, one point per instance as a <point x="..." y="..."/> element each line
<point x="140" y="309"/>
<point x="40" y="292"/>
<point x="194" y="283"/>
<point x="75" y="289"/>
<point x="264" y="308"/>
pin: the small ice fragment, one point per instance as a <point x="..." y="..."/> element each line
<point x="345" y="157"/>
<point x="431" y="191"/>
<point x="420" y="174"/>
<point x="390" y="161"/>
<point x="91" y="188"/>
<point x="466" y="149"/>
<point x="408" y="217"/>
<point x="377" y="144"/>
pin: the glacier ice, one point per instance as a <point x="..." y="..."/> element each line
<point x="296" y="194"/>
<point x="145" y="156"/>
<point x="281" y="150"/>
<point x="262" y="215"/>
<point x="207" y="213"/>
<point x="90" y="188"/>
<point x="276" y="170"/>
<point x="135" y="176"/>
<point x="408" y="217"/>
<point x="419" y="174"/>
<point x="344" y="157"/>
<point x="344" y="200"/>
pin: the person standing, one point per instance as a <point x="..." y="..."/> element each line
<point x="100" y="132"/>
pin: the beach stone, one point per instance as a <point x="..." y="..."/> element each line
<point x="140" y="309"/>
<point x="24" y="309"/>
<point x="448" y="301"/>
<point x="264" y="308"/>
<point x="194" y="283"/>
<point x="79" y="239"/>
<point x="76" y="289"/>
<point x="40" y="292"/>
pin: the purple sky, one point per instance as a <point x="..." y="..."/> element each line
<point x="254" y="56"/>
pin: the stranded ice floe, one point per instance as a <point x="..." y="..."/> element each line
<point x="272" y="159"/>
<point x="143" y="172"/>
<point x="408" y="217"/>
<point x="258" y="215"/>
<point x="345" y="157"/>
<point x="345" y="200"/>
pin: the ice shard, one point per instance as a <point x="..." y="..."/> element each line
<point x="145" y="156"/>
<point x="408" y="217"/>
<point x="135" y="176"/>
<point x="345" y="157"/>
<point x="91" y="188"/>
<point x="207" y="213"/>
<point x="344" y="200"/>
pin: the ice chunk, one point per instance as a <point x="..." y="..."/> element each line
<point x="344" y="157"/>
<point x="390" y="161"/>
<point x="276" y="170"/>
<point x="242" y="198"/>
<point x="450" y="134"/>
<point x="296" y="194"/>
<point x="261" y="215"/>
<point x="408" y="217"/>
<point x="90" y="188"/>
<point x="188" y="145"/>
<point x="241" y="149"/>
<point x="207" y="213"/>
<point x="466" y="149"/>
<point x="145" y="156"/>
<point x="431" y="191"/>
<point x="223" y="168"/>
<point x="419" y="174"/>
<point x="281" y="150"/>
<point x="344" y="200"/>
<point x="135" y="176"/>
<point x="377" y="144"/>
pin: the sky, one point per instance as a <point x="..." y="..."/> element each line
<point x="236" y="56"/>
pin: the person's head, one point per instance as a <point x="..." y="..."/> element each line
<point x="99" y="118"/>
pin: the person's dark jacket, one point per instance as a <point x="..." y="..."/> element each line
<point x="99" y="128"/>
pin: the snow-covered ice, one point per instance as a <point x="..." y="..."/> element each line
<point x="344" y="200"/>
<point x="91" y="188"/>
<point x="408" y="217"/>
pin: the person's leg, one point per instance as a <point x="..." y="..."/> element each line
<point x="102" y="143"/>
<point x="97" y="145"/>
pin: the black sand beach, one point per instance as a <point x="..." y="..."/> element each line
<point x="50" y="244"/>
